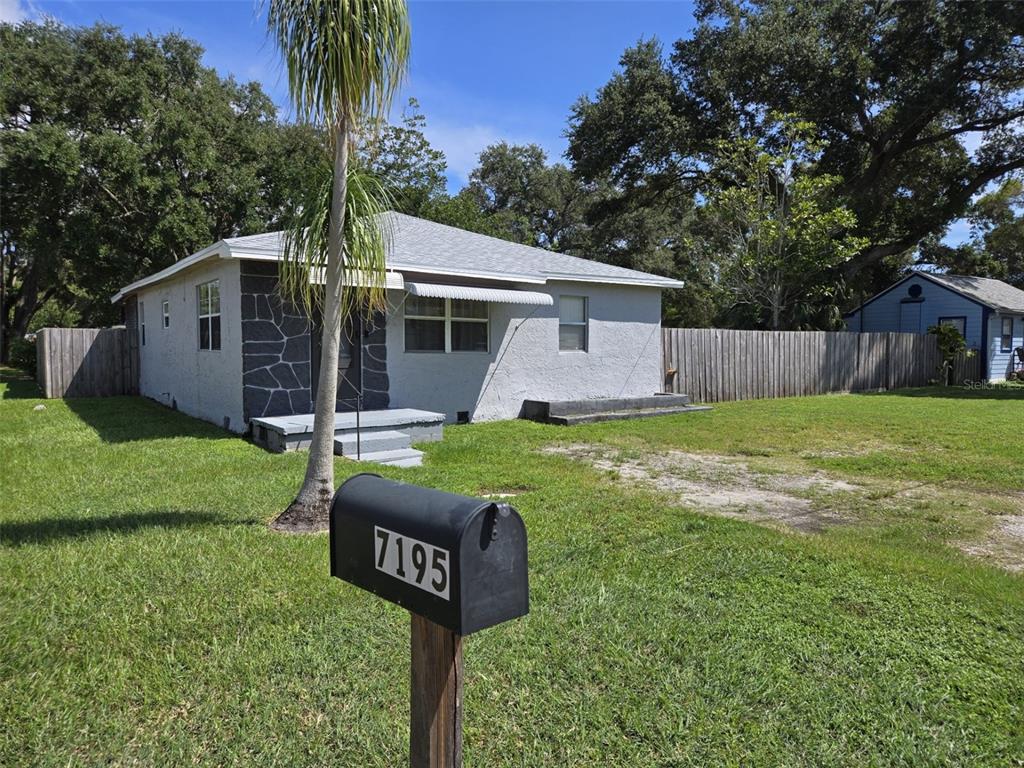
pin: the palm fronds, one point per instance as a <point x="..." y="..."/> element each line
<point x="345" y="58"/>
<point x="367" y="239"/>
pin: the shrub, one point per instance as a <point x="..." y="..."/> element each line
<point x="951" y="343"/>
<point x="22" y="355"/>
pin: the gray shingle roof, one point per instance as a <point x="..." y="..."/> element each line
<point x="419" y="245"/>
<point x="994" y="293"/>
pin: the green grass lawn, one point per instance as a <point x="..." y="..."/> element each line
<point x="150" y="617"/>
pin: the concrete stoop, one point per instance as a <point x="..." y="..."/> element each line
<point x="388" y="447"/>
<point x="570" y="412"/>
<point x="384" y="436"/>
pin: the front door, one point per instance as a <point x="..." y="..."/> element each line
<point x="349" y="362"/>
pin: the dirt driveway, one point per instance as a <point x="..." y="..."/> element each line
<point x="804" y="499"/>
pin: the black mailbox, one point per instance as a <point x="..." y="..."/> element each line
<point x="458" y="561"/>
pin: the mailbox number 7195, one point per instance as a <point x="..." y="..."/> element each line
<point x="414" y="562"/>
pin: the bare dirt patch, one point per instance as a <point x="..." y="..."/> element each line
<point x="1003" y="545"/>
<point x="725" y="485"/>
<point x="809" y="500"/>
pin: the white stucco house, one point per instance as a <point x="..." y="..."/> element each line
<point x="475" y="326"/>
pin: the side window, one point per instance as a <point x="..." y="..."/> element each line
<point x="1006" y="338"/>
<point x="209" y="315"/>
<point x="572" y="323"/>
<point x="142" y="323"/>
<point x="960" y="323"/>
<point x="166" y="308"/>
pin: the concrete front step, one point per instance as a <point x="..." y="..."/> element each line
<point x="402" y="457"/>
<point x="615" y="404"/>
<point x="590" y="418"/>
<point x="290" y="433"/>
<point x="604" y="409"/>
<point x="347" y="443"/>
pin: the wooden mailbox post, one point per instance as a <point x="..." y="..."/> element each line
<point x="457" y="564"/>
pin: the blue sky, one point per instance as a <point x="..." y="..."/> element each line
<point x="483" y="71"/>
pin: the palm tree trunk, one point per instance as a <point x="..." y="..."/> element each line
<point x="312" y="504"/>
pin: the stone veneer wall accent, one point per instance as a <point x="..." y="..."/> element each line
<point x="375" y="364"/>
<point x="275" y="347"/>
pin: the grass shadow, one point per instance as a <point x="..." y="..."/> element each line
<point x="127" y="419"/>
<point x="979" y="391"/>
<point x="17" y="385"/>
<point x="54" y="529"/>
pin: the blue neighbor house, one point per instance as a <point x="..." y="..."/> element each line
<point x="988" y="313"/>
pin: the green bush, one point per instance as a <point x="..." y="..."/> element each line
<point x="23" y="355"/>
<point x="951" y="343"/>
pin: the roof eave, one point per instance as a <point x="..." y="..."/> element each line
<point x="220" y="248"/>
<point x="652" y="281"/>
<point x="225" y="250"/>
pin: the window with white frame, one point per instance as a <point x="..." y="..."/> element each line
<point x="209" y="315"/>
<point x="142" y="323"/>
<point x="572" y="323"/>
<point x="445" y="325"/>
<point x="1006" y="337"/>
<point x="166" y="310"/>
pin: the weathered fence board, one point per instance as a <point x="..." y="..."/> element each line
<point x="86" y="362"/>
<point x="713" y="365"/>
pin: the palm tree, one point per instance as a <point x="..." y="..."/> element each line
<point x="345" y="60"/>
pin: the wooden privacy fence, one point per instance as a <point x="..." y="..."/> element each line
<point x="87" y="362"/>
<point x="713" y="365"/>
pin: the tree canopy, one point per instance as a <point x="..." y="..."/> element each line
<point x="122" y="154"/>
<point x="996" y="245"/>
<point x="918" y="108"/>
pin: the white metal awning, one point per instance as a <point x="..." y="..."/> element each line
<point x="392" y="280"/>
<point x="468" y="293"/>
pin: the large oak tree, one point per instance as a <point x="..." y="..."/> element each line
<point x="121" y="155"/>
<point x="919" y="105"/>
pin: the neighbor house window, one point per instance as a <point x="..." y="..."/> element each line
<point x="166" y="308"/>
<point x="445" y="325"/>
<point x="142" y="323"/>
<point x="209" y="315"/>
<point x="1006" y="341"/>
<point x="960" y="323"/>
<point x="572" y="323"/>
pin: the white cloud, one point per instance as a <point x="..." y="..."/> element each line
<point x="461" y="144"/>
<point x="13" y="11"/>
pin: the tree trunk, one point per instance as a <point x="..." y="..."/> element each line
<point x="3" y="304"/>
<point x="311" y="507"/>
